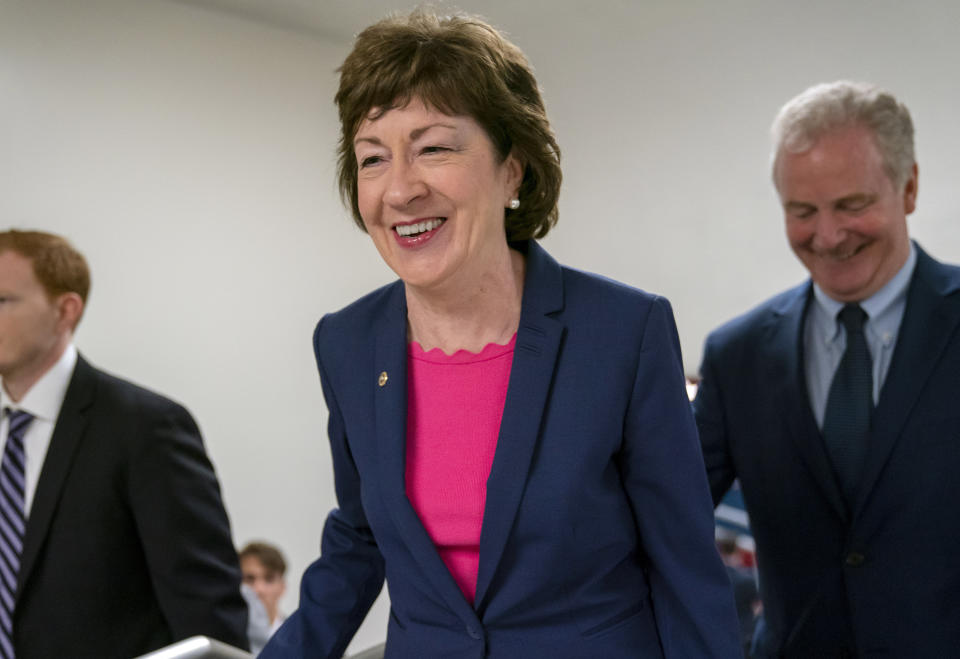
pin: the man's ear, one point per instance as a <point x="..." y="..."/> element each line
<point x="70" y="306"/>
<point x="910" y="191"/>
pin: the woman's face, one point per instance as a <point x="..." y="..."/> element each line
<point x="432" y="192"/>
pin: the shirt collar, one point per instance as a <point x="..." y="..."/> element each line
<point x="44" y="398"/>
<point x="877" y="306"/>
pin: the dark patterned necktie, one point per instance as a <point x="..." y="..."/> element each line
<point x="12" y="522"/>
<point x="846" y="422"/>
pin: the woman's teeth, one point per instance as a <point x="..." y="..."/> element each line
<point x="420" y="227"/>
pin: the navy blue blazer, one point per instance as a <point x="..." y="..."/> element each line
<point x="597" y="536"/>
<point x="881" y="580"/>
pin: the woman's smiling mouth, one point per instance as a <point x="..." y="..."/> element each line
<point x="416" y="228"/>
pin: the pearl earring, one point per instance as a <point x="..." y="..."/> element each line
<point x="514" y="204"/>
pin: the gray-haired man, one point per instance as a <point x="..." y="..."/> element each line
<point x="836" y="403"/>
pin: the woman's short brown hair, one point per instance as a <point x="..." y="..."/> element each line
<point x="458" y="65"/>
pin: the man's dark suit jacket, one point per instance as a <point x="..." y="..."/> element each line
<point x="882" y="579"/>
<point x="127" y="546"/>
<point x="597" y="536"/>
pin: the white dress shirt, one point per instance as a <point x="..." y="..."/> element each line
<point x="43" y="400"/>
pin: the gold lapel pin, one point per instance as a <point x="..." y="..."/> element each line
<point x="383" y="378"/>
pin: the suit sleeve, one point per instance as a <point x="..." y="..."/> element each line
<point x="708" y="410"/>
<point x="338" y="589"/>
<point x="663" y="474"/>
<point x="175" y="500"/>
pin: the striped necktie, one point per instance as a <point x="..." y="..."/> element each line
<point x="12" y="522"/>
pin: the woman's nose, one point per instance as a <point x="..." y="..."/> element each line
<point x="405" y="184"/>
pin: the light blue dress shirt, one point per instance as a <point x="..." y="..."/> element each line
<point x="825" y="339"/>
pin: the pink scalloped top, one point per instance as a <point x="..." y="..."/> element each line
<point x="454" y="407"/>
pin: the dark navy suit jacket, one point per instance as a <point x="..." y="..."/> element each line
<point x="880" y="580"/>
<point x="597" y="537"/>
<point x="127" y="547"/>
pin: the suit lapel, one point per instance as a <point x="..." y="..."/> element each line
<point x="67" y="435"/>
<point x="784" y="359"/>
<point x="929" y="320"/>
<point x="390" y="417"/>
<point x="531" y="375"/>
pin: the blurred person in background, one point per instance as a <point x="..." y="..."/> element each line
<point x="264" y="570"/>
<point x="513" y="447"/>
<point x="745" y="593"/>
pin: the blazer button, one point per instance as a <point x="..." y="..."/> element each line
<point x="473" y="632"/>
<point x="382" y="380"/>
<point x="855" y="559"/>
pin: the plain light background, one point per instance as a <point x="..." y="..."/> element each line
<point x="189" y="154"/>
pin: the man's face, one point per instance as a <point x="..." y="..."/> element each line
<point x="269" y="586"/>
<point x="846" y="221"/>
<point x="32" y="326"/>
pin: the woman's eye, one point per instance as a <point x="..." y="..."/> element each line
<point x="369" y="161"/>
<point x="434" y="149"/>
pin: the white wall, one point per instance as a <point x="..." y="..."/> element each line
<point x="663" y="109"/>
<point x="189" y="155"/>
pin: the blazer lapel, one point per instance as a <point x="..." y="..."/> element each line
<point x="784" y="359"/>
<point x="531" y="374"/>
<point x="67" y="434"/>
<point x="929" y="320"/>
<point x="390" y="417"/>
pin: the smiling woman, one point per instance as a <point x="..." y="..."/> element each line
<point x="512" y="442"/>
<point x="432" y="192"/>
